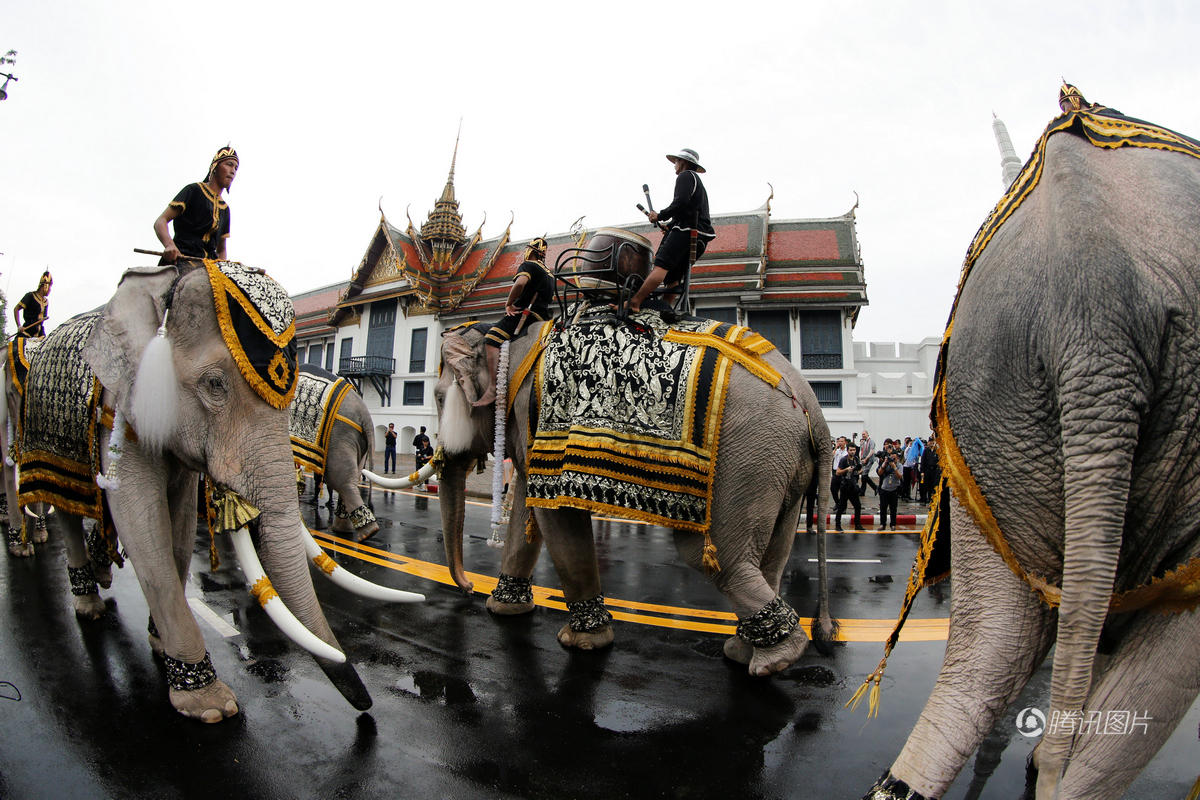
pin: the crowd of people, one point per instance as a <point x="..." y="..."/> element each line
<point x="894" y="470"/>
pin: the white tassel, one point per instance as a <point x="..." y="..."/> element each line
<point x="501" y="410"/>
<point x="154" y="392"/>
<point x="8" y="453"/>
<point x="457" y="430"/>
<point x="116" y="443"/>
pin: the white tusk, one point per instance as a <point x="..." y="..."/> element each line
<point x="351" y="582"/>
<point x="49" y="511"/>
<point x="30" y="513"/>
<point x="400" y="483"/>
<point x="273" y="604"/>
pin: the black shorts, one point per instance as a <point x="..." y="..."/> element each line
<point x="673" y="253"/>
<point x="504" y="330"/>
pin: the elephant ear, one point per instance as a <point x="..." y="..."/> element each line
<point x="121" y="337"/>
<point x="459" y="355"/>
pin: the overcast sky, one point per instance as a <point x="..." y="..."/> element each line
<point x="566" y="108"/>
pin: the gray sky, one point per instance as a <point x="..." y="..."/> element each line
<point x="565" y="113"/>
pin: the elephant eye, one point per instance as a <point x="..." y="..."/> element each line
<point x="214" y="387"/>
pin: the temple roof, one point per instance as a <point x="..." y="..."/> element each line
<point x="753" y="261"/>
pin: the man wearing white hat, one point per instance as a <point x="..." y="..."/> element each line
<point x="687" y="213"/>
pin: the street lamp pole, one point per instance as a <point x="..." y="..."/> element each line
<point x="8" y="58"/>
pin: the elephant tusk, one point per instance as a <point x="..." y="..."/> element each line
<point x="351" y="582"/>
<point x="273" y="604"/>
<point x="30" y="513"/>
<point x="400" y="483"/>
<point x="50" y="510"/>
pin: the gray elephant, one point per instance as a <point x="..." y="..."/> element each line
<point x="207" y="393"/>
<point x="773" y="438"/>
<point x="330" y="428"/>
<point x="1067" y="415"/>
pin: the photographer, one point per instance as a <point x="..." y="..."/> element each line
<point x="848" y="471"/>
<point x="890" y="471"/>
<point x="867" y="455"/>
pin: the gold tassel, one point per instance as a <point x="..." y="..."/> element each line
<point x="872" y="681"/>
<point x="1194" y="794"/>
<point x="708" y="558"/>
<point x="531" y="529"/>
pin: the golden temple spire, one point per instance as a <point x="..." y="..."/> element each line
<point x="443" y="232"/>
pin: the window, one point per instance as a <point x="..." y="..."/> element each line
<point x="414" y="393"/>
<point x="821" y="340"/>
<point x="329" y="356"/>
<point x="314" y="354"/>
<point x="300" y="354"/>
<point x="773" y="326"/>
<point x="347" y="348"/>
<point x="722" y="314"/>
<point x="381" y="331"/>
<point x="416" y="351"/>
<point x="829" y="393"/>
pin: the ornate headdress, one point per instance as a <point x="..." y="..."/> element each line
<point x="45" y="279"/>
<point x="224" y="154"/>
<point x="1070" y="94"/>
<point x="258" y="324"/>
<point x="536" y="249"/>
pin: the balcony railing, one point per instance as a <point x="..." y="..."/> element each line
<point x="366" y="365"/>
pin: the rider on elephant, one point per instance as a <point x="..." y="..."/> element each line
<point x="201" y="217"/>
<point x="34" y="309"/>
<point x="689" y="221"/>
<point x="530" y="296"/>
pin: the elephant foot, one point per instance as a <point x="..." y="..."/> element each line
<point x="341" y="525"/>
<point x="586" y="640"/>
<point x="508" y="609"/>
<point x="213" y="703"/>
<point x="778" y="657"/>
<point x="103" y="576"/>
<point x="89" y="606"/>
<point x="20" y="550"/>
<point x="738" y="649"/>
<point x="366" y="531"/>
<point x="40" y="535"/>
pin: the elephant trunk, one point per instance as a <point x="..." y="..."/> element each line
<point x="454" y="505"/>
<point x="270" y="487"/>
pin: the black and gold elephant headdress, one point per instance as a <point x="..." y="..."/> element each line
<point x="258" y="323"/>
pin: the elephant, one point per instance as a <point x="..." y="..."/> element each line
<point x="185" y="370"/>
<point x="773" y="439"/>
<point x="1067" y="418"/>
<point x="330" y="427"/>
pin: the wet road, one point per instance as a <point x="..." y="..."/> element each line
<point x="468" y="705"/>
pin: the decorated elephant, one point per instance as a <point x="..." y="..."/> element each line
<point x="627" y="416"/>
<point x="23" y="527"/>
<point x="185" y="370"/>
<point x="1066" y="411"/>
<point x="330" y="428"/>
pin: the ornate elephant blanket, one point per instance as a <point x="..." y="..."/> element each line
<point x="57" y="441"/>
<point x="314" y="409"/>
<point x="20" y="350"/>
<point x="627" y="416"/>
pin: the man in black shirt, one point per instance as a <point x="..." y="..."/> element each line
<point x="530" y="296"/>
<point x="389" y="448"/>
<point x="34" y="309"/>
<point x="420" y="445"/>
<point x="688" y="216"/>
<point x="200" y="216"/>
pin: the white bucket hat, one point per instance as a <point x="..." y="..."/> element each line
<point x="686" y="154"/>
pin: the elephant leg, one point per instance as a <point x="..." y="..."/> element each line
<point x="513" y="593"/>
<point x="358" y="517"/>
<point x="999" y="634"/>
<point x="144" y="521"/>
<point x="13" y="517"/>
<point x="88" y="604"/>
<point x="41" y="530"/>
<point x="568" y="535"/>
<point x="182" y="500"/>
<point x="1146" y="688"/>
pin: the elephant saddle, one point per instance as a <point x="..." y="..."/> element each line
<point x="314" y="409"/>
<point x="626" y="416"/>
<point x="58" y="429"/>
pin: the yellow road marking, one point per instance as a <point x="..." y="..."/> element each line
<point x="852" y="630"/>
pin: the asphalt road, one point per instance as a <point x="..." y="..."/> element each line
<point x="472" y="706"/>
